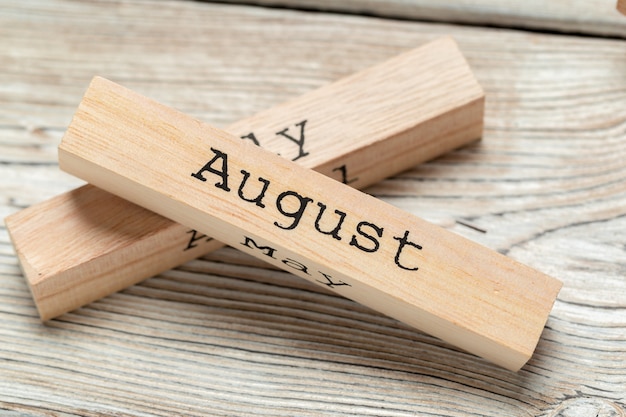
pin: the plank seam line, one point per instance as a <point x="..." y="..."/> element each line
<point x="369" y="14"/>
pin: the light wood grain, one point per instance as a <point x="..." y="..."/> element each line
<point x="621" y="6"/>
<point x="85" y="244"/>
<point x="594" y="17"/>
<point x="365" y="249"/>
<point x="226" y="335"/>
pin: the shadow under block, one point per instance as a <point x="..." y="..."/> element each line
<point x="86" y="244"/>
<point x="308" y="224"/>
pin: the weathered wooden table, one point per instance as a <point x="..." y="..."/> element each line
<point x="227" y="335"/>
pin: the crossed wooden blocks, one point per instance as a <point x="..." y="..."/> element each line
<point x="171" y="188"/>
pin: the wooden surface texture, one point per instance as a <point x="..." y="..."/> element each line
<point x="228" y="335"/>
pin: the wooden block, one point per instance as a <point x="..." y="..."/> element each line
<point x="309" y="224"/>
<point x="621" y="6"/>
<point x="87" y="243"/>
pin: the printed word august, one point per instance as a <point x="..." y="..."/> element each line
<point x="289" y="207"/>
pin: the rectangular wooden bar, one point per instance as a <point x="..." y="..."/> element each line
<point x="86" y="244"/>
<point x="309" y="224"/>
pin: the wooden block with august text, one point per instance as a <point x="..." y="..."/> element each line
<point x="87" y="243"/>
<point x="309" y="224"/>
